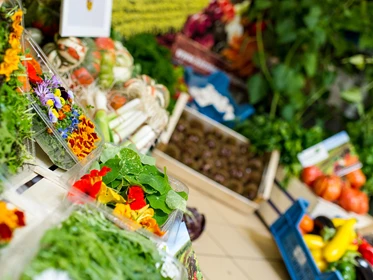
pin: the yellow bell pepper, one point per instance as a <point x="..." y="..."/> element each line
<point x="313" y="241"/>
<point x="336" y="248"/>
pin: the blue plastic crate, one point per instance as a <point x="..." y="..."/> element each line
<point x="296" y="255"/>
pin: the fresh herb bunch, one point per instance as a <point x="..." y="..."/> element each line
<point x="268" y="134"/>
<point x="155" y="60"/>
<point x="304" y="49"/>
<point x="88" y="246"/>
<point x="15" y="128"/>
<point x="360" y="133"/>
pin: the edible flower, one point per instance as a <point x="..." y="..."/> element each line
<point x="143" y="216"/>
<point x="10" y="220"/>
<point x="136" y="197"/>
<point x="90" y="184"/>
<point x="109" y="195"/>
<point x="32" y="74"/>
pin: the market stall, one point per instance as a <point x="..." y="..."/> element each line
<point x="111" y="110"/>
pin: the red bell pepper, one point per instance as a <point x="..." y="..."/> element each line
<point x="366" y="250"/>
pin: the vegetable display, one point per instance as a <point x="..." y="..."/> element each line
<point x="346" y="192"/>
<point x="334" y="245"/>
<point x="88" y="246"/>
<point x="15" y="116"/>
<point x="131" y="184"/>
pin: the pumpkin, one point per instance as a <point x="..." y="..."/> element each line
<point x="310" y="174"/>
<point x="354" y="200"/>
<point x="328" y="187"/>
<point x="356" y="178"/>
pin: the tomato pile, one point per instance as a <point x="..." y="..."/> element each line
<point x="344" y="191"/>
<point x="335" y="245"/>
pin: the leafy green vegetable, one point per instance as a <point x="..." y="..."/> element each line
<point x="157" y="182"/>
<point x="130" y="168"/>
<point x="289" y="138"/>
<point x="115" y="166"/>
<point x="175" y="201"/>
<point x="15" y="128"/>
<point x="88" y="246"/>
<point x="159" y="202"/>
<point x="130" y="162"/>
<point x="160" y="216"/>
<point x="110" y="151"/>
<point x="303" y="51"/>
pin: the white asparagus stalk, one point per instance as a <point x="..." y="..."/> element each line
<point x="120" y="135"/>
<point x="133" y="104"/>
<point x="140" y="134"/>
<point x="128" y="121"/>
<point x="146" y="140"/>
<point x="122" y="118"/>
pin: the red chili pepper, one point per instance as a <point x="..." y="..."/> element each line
<point x="366" y="250"/>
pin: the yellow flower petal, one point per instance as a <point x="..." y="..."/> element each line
<point x="50" y="103"/>
<point x="122" y="210"/>
<point x="107" y="195"/>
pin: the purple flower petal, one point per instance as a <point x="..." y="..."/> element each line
<point x="55" y="82"/>
<point x="51" y="116"/>
<point x="41" y="90"/>
<point x="70" y="94"/>
<point x="57" y="102"/>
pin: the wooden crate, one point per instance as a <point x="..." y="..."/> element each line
<point x="212" y="188"/>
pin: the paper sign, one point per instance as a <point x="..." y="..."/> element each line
<point x="85" y="18"/>
<point x="335" y="155"/>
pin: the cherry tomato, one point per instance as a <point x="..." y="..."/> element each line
<point x="306" y="224"/>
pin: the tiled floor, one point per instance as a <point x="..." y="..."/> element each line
<point x="234" y="246"/>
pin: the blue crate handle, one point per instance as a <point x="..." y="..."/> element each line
<point x="296" y="255"/>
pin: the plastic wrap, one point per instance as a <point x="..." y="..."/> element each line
<point x="20" y="254"/>
<point x="174" y="218"/>
<point x="47" y="135"/>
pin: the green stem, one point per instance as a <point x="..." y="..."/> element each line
<point x="312" y="100"/>
<point x="261" y="52"/>
<point x="274" y="103"/>
<point x="292" y="51"/>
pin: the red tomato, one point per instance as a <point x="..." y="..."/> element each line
<point x="356" y="178"/>
<point x="310" y="174"/>
<point x="328" y="187"/>
<point x="354" y="200"/>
